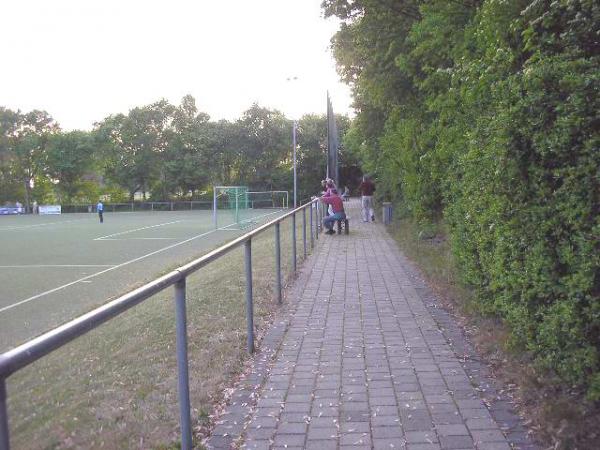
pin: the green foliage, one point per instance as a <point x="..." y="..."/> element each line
<point x="23" y="141"/>
<point x="163" y="151"/>
<point x="489" y="118"/>
<point x="68" y="158"/>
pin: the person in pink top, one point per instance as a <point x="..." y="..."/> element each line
<point x="337" y="205"/>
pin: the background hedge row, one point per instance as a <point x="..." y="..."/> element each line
<point x="485" y="114"/>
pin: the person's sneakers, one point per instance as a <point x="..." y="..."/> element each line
<point x="330" y="232"/>
<point x="373" y="218"/>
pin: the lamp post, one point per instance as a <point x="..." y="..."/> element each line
<point x="294" y="128"/>
<point x="294" y="131"/>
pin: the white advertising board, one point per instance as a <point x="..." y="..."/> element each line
<point x="49" y="209"/>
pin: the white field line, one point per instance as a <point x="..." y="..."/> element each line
<point x="84" y="279"/>
<point x="139" y="239"/>
<point x="37" y="266"/>
<point x="23" y="227"/>
<point x="137" y="229"/>
<point x="27" y="300"/>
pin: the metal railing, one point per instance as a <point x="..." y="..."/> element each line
<point x="25" y="354"/>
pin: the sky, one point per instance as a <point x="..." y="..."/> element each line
<point x="82" y="60"/>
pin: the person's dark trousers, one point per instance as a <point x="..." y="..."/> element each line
<point x="100" y="215"/>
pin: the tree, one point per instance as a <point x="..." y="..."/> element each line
<point x="22" y="147"/>
<point x="68" y="157"/>
<point x="187" y="159"/>
<point x="133" y="145"/>
<point x="262" y="146"/>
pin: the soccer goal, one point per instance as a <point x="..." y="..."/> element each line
<point x="268" y="199"/>
<point x="236" y="207"/>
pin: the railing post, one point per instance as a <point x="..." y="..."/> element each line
<point x="182" y="366"/>
<point x="278" y="262"/>
<point x="294" y="241"/>
<point x="319" y="218"/>
<point x="312" y="235"/>
<point x="249" y="306"/>
<point x="4" y="440"/>
<point x="304" y="230"/>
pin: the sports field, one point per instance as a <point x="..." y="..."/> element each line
<point x="54" y="268"/>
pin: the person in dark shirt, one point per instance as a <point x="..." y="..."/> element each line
<point x="337" y="206"/>
<point x="366" y="188"/>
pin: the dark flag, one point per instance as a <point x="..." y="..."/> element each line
<point x="332" y="145"/>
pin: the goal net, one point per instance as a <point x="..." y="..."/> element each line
<point x="268" y="200"/>
<point x="235" y="207"/>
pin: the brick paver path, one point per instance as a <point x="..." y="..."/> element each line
<point x="363" y="363"/>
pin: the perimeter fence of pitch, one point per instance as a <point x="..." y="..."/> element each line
<point x="16" y="359"/>
<point x="260" y="202"/>
<point x="195" y="205"/>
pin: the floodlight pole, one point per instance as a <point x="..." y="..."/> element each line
<point x="294" y="127"/>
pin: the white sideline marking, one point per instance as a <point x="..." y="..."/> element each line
<point x="36" y="266"/>
<point x="84" y="279"/>
<point x="138" y="239"/>
<point x="12" y="228"/>
<point x="137" y="229"/>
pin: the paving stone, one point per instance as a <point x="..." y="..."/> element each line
<point x="482" y="436"/>
<point x="257" y="444"/>
<point x="355" y="439"/>
<point x="293" y="417"/>
<point x="426" y="437"/>
<point x="497" y="446"/>
<point x="456" y="442"/>
<point x="292" y="428"/>
<point x="289" y="440"/>
<point x="452" y="430"/>
<point x="317" y="422"/>
<point x="330" y="432"/>
<point x="423" y="447"/>
<point x="387" y="431"/>
<point x="329" y="444"/>
<point x="388" y="443"/>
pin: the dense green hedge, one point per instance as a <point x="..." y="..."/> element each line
<point x="491" y="123"/>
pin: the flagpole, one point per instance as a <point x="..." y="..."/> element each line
<point x="327" y="175"/>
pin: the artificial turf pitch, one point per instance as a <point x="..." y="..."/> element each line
<point x="55" y="268"/>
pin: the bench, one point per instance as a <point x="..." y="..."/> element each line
<point x="343" y="223"/>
